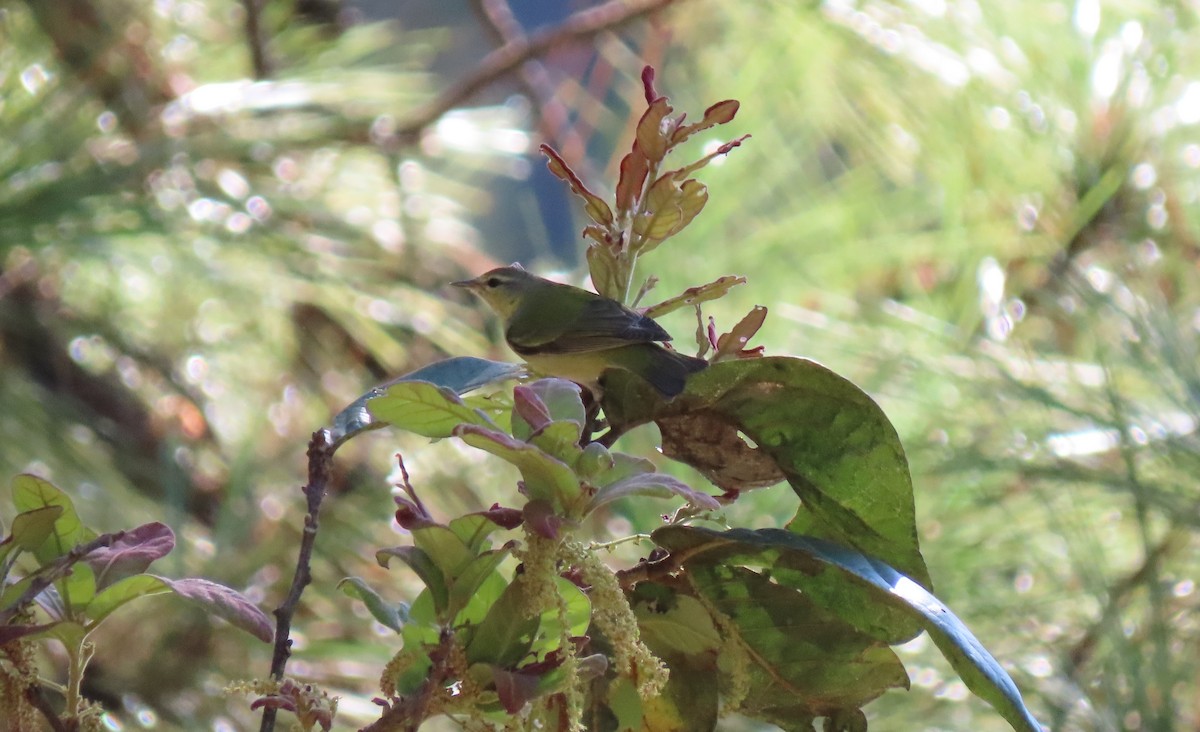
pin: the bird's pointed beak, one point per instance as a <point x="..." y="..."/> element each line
<point x="466" y="284"/>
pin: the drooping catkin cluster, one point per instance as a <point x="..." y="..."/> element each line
<point x="614" y="617"/>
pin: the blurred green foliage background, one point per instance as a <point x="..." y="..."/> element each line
<point x="222" y="221"/>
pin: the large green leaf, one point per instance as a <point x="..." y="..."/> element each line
<point x="788" y="557"/>
<point x="805" y="424"/>
<point x="804" y="661"/>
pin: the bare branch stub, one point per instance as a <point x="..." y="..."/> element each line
<point x="320" y="461"/>
<point x="580" y="27"/>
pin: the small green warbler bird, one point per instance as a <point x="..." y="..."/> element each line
<point x="574" y="334"/>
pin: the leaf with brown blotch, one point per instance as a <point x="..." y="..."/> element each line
<point x="651" y="139"/>
<point x="714" y="447"/>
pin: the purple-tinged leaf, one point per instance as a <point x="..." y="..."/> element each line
<point x="273" y="702"/>
<point x="541" y="519"/>
<point x="132" y="553"/>
<point x="514" y="689"/>
<point x="655" y="485"/>
<point x="410" y="516"/>
<point x="545" y="476"/>
<point x="505" y="518"/>
<point x="562" y="399"/>
<point x="226" y="603"/>
<point x="529" y="411"/>
<point x="10" y="633"/>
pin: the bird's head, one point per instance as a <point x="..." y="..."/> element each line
<point x="503" y="288"/>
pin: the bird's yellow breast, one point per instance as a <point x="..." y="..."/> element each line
<point x="582" y="368"/>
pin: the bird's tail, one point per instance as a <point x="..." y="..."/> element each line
<point x="669" y="371"/>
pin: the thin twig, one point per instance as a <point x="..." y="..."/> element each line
<point x="581" y="26"/>
<point x="552" y="115"/>
<point x="255" y="40"/>
<point x="320" y="458"/>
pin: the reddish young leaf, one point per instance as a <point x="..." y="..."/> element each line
<point x="505" y="518"/>
<point x="724" y="149"/>
<point x="685" y="171"/>
<point x="514" y="689"/>
<point x="634" y="168"/>
<point x="648" y="84"/>
<point x="695" y="295"/>
<point x="595" y="206"/>
<point x="717" y="114"/>
<point x="598" y="235"/>
<point x="541" y="519"/>
<point x="410" y="515"/>
<point x="733" y="343"/>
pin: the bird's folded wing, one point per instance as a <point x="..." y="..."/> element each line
<point x="598" y="325"/>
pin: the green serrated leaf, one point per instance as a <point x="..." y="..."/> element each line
<point x="31" y="493"/>
<point x="472" y="530"/>
<point x="121" y="592"/>
<point x="388" y="615"/>
<point x="807" y="424"/>
<point x="69" y="633"/>
<point x="466" y="585"/>
<point x="506" y="634"/>
<point x="31" y="528"/>
<point x="78" y="588"/>
<point x="425" y="409"/>
<point x="444" y="548"/>
<point x="425" y="568"/>
<point x="546" y="478"/>
<point x="684" y="627"/>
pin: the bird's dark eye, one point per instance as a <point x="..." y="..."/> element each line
<point x="493" y="282"/>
